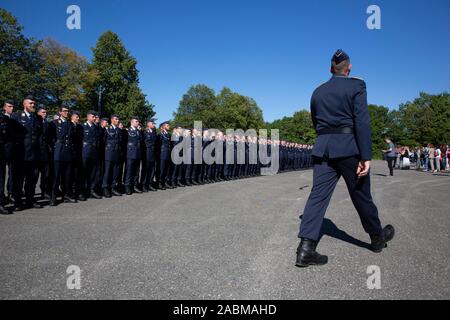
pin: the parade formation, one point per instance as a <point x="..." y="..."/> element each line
<point x="100" y="158"/>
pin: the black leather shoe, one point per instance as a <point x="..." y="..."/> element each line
<point x="188" y="184"/>
<point x="69" y="199"/>
<point x="151" y="188"/>
<point x="379" y="242"/>
<point x="3" y="210"/>
<point x="106" y="193"/>
<point x="161" y="187"/>
<point x="95" y="195"/>
<point x="144" y="189"/>
<point x="33" y="205"/>
<point x="127" y="191"/>
<point x="307" y="255"/>
<point x="194" y="183"/>
<point x="45" y="196"/>
<point x="116" y="193"/>
<point x="170" y="186"/>
<point x="179" y="184"/>
<point x="137" y="190"/>
<point x="53" y="202"/>
<point x="19" y="207"/>
<point x="81" y="197"/>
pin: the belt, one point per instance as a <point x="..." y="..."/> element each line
<point x="346" y="130"/>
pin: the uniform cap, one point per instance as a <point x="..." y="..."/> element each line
<point x="340" y="56"/>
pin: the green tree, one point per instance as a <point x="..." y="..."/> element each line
<point x="63" y="74"/>
<point x="19" y="61"/>
<point x="118" y="80"/>
<point x="199" y="103"/>
<point x="298" y="128"/>
<point x="236" y="111"/>
<point x="379" y="123"/>
<point x="227" y="110"/>
<point x="424" y="120"/>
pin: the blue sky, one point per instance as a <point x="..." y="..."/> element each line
<point x="276" y="52"/>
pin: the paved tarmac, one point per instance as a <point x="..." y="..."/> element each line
<point x="231" y="240"/>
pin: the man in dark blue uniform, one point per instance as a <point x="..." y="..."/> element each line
<point x="92" y="136"/>
<point x="148" y="163"/>
<point x="77" y="167"/>
<point x="188" y="158"/>
<point x="164" y="151"/>
<point x="8" y="149"/>
<point x="26" y="154"/>
<point x="4" y="138"/>
<point x="343" y="148"/>
<point x="44" y="159"/>
<point x="175" y="171"/>
<point x="196" y="154"/>
<point x="113" y="144"/>
<point x="134" y="156"/>
<point x="62" y="132"/>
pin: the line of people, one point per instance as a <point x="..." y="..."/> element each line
<point x="101" y="158"/>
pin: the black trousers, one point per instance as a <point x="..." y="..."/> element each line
<point x="163" y="170"/>
<point x="325" y="177"/>
<point x="390" y="162"/>
<point x="188" y="172"/>
<point x="174" y="173"/>
<point x="6" y="165"/>
<point x="78" y="177"/>
<point x="45" y="184"/>
<point x="24" y="177"/>
<point x="63" y="177"/>
<point x="90" y="174"/>
<point x="111" y="174"/>
<point x="132" y="172"/>
<point x="100" y="173"/>
<point x="148" y="173"/>
<point x="2" y="181"/>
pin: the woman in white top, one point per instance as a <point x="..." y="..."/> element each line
<point x="438" y="159"/>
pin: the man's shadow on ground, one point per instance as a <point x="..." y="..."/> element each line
<point x="331" y="230"/>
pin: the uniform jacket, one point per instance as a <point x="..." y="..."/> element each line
<point x="92" y="135"/>
<point x="26" y="136"/>
<point x="150" y="144"/>
<point x="164" y="145"/>
<point x="134" y="144"/>
<point x="45" y="141"/>
<point x="342" y="102"/>
<point x="63" y="137"/>
<point x="113" y="143"/>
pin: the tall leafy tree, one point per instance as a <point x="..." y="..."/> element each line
<point x="227" y="110"/>
<point x="63" y="74"/>
<point x="199" y="103"/>
<point x="298" y="128"/>
<point x="19" y="60"/>
<point x="118" y="80"/>
<point x="379" y="123"/>
<point x="236" y="111"/>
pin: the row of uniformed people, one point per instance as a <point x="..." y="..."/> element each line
<point x="100" y="159"/>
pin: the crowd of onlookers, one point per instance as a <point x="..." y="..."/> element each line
<point x="431" y="158"/>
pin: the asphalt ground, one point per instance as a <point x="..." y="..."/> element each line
<point x="231" y="240"/>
